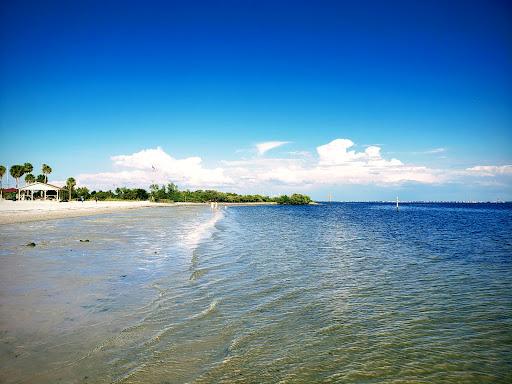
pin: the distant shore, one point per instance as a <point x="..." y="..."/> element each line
<point x="12" y="212"/>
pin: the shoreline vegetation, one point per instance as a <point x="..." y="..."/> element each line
<point x="170" y="193"/>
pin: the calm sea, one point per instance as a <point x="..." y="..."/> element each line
<point x="334" y="293"/>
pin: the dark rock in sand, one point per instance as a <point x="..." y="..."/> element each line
<point x="84" y="241"/>
<point x="31" y="244"/>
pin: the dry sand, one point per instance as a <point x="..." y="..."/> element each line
<point x="24" y="211"/>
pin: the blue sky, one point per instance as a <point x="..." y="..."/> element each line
<point x="429" y="83"/>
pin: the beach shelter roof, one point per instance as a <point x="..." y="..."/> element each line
<point x="38" y="186"/>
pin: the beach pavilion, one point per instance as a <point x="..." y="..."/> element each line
<point x="41" y="191"/>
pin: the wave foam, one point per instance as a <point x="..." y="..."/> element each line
<point x="202" y="231"/>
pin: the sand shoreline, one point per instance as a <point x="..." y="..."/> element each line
<point x="13" y="212"/>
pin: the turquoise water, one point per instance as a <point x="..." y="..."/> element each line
<point x="335" y="293"/>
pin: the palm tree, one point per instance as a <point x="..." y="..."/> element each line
<point x="30" y="178"/>
<point x="70" y="183"/>
<point x="2" y="173"/>
<point x="40" y="178"/>
<point x="28" y="167"/>
<point x="46" y="171"/>
<point x="17" y="171"/>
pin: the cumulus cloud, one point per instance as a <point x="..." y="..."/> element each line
<point x="338" y="163"/>
<point x="156" y="166"/>
<point x="335" y="163"/>
<point x="262" y="148"/>
<point x="336" y="153"/>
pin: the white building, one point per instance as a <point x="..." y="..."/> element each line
<point x="41" y="191"/>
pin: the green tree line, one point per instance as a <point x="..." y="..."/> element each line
<point x="172" y="193"/>
<point x="118" y="194"/>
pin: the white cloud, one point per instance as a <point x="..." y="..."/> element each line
<point x="299" y="153"/>
<point x="491" y="170"/>
<point x="262" y="148"/>
<point x="335" y="163"/>
<point x="336" y="152"/>
<point x="156" y="166"/>
<point x="435" y="151"/>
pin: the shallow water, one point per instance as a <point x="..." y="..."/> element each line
<point x="345" y="293"/>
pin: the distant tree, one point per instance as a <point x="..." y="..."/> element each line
<point x="2" y="173"/>
<point x="157" y="193"/>
<point x="153" y="191"/>
<point x="283" y="199"/>
<point x="17" y="171"/>
<point x="46" y="169"/>
<point x="41" y="178"/>
<point x="141" y="194"/>
<point x="30" y="178"/>
<point x="70" y="183"/>
<point x="131" y="194"/>
<point x="172" y="192"/>
<point x="83" y="192"/>
<point x="28" y="167"/>
<point x="298" y="199"/>
<point x="295" y="199"/>
<point x="102" y="195"/>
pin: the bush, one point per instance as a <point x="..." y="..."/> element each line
<point x="295" y="199"/>
<point x="9" y="195"/>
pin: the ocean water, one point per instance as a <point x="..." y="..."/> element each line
<point x="334" y="293"/>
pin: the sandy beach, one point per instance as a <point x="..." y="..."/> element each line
<point x="12" y="212"/>
<point x="25" y="211"/>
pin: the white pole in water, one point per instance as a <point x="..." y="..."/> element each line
<point x="330" y="197"/>
<point x="397" y="203"/>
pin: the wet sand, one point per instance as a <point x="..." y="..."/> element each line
<point x="67" y="304"/>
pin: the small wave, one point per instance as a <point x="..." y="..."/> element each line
<point x="197" y="274"/>
<point x="211" y="309"/>
<point x="243" y="341"/>
<point x="277" y="301"/>
<point x="202" y="231"/>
